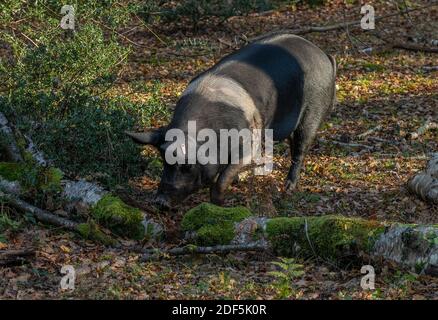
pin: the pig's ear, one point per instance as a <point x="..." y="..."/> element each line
<point x="153" y="136"/>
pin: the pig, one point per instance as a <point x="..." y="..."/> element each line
<point x="280" y="81"/>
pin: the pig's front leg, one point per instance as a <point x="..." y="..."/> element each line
<point x="217" y="191"/>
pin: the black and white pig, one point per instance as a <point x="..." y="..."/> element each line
<point x="280" y="82"/>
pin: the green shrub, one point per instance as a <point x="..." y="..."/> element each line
<point x="7" y="224"/>
<point x="54" y="83"/>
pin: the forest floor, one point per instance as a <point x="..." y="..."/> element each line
<point x="391" y="93"/>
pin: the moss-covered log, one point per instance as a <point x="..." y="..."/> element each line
<point x="111" y="212"/>
<point x="334" y="239"/>
<point x="212" y="225"/>
<point x="27" y="174"/>
<point x="88" y="230"/>
<point x="102" y="207"/>
<point x="425" y="183"/>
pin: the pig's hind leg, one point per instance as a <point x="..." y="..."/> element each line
<point x="300" y="142"/>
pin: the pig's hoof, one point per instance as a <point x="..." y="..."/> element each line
<point x="219" y="201"/>
<point x="162" y="203"/>
<point x="290" y="186"/>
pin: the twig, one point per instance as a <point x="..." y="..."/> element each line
<point x="412" y="47"/>
<point x="187" y="55"/>
<point x="368" y="132"/>
<point x="342" y="25"/>
<point x="156" y="253"/>
<point x="345" y="144"/>
<point x="430" y="68"/>
<point x="27" y="37"/>
<point x="151" y="31"/>
<point x="377" y="139"/>
<point x="15" y="257"/>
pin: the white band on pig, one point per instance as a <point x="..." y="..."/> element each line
<point x="226" y="90"/>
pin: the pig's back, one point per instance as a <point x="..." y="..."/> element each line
<point x="281" y="73"/>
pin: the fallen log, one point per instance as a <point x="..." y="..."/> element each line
<point x="153" y="254"/>
<point x="425" y="183"/>
<point x="333" y="239"/>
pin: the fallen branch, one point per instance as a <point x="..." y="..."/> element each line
<point x="412" y="47"/>
<point x="39" y="214"/>
<point x="429" y="125"/>
<point x="343" y="25"/>
<point x="36" y="154"/>
<point x="15" y="257"/>
<point x="88" y="230"/>
<point x="151" y="254"/>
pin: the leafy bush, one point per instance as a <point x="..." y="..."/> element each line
<point x="7" y="224"/>
<point x="53" y="85"/>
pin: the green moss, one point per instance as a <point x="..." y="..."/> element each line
<point x="329" y="237"/>
<point x="213" y="225"/>
<point x="91" y="231"/>
<point x="11" y="171"/>
<point x="50" y="179"/>
<point x="31" y="177"/>
<point x="120" y="218"/>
